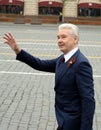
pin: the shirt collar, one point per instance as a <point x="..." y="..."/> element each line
<point x="69" y="54"/>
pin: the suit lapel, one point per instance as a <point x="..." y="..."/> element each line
<point x="64" y="67"/>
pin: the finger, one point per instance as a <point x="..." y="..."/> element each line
<point x="6" y="37"/>
<point x="6" y="42"/>
<point x="10" y="35"/>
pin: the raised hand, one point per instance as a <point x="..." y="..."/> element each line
<point x="10" y="40"/>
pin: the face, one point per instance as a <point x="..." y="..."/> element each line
<point x="66" y="40"/>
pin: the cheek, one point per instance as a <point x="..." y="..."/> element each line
<point x="69" y="44"/>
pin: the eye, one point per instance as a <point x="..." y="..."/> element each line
<point x="63" y="36"/>
<point x="58" y="37"/>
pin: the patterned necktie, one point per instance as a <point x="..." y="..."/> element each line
<point x="63" y="60"/>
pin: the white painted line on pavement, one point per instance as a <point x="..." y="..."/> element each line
<point x="45" y="74"/>
<point x="89" y="45"/>
<point x="9" y="61"/>
<point x="26" y="73"/>
<point x="97" y="76"/>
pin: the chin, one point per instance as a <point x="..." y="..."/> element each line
<point x="62" y="50"/>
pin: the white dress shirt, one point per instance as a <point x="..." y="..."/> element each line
<point x="69" y="54"/>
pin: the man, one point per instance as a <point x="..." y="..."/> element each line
<point x="74" y="88"/>
<point x="60" y="17"/>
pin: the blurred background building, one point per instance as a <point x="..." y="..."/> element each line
<point x="48" y="8"/>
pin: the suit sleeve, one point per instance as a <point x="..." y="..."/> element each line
<point x="86" y="90"/>
<point x="36" y="63"/>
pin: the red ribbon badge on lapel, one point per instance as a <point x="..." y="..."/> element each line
<point x="72" y="61"/>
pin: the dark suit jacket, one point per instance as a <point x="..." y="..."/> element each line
<point x="74" y="89"/>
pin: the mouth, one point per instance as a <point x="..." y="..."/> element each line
<point x="61" y="46"/>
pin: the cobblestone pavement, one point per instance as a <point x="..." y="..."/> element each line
<point x="27" y="95"/>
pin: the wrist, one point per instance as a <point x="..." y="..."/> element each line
<point x="17" y="51"/>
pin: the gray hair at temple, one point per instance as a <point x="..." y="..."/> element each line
<point x="74" y="29"/>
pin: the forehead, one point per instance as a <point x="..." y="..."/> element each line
<point x="65" y="31"/>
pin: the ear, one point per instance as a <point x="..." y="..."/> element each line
<point x="76" y="38"/>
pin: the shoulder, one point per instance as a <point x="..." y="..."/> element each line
<point x="82" y="58"/>
<point x="82" y="62"/>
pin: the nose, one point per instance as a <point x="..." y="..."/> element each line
<point x="59" y="40"/>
